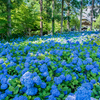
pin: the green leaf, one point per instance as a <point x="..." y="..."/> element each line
<point x="97" y="97"/>
<point x="19" y="85"/>
<point x="61" y="95"/>
<point x="16" y="90"/>
<point x="75" y="82"/>
<point x="69" y="90"/>
<point x="97" y="87"/>
<point x="11" y="88"/>
<point x="7" y="98"/>
<point x="94" y="91"/>
<point x="72" y="86"/>
<point x="29" y="97"/>
<point x="65" y="88"/>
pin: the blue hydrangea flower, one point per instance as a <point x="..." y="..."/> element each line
<point x="29" y="83"/>
<point x="8" y="92"/>
<point x="37" y="98"/>
<point x="45" y="74"/>
<point x="54" y="87"/>
<point x="35" y="74"/>
<point x="85" y="62"/>
<point x="82" y="93"/>
<point x="74" y="60"/>
<point x="25" y="70"/>
<point x="47" y="59"/>
<point x="37" y="80"/>
<point x="43" y="85"/>
<point x="51" y="97"/>
<point x="14" y="59"/>
<point x="65" y="92"/>
<point x="93" y="81"/>
<point x="78" y="69"/>
<point x="75" y="75"/>
<point x="18" y="68"/>
<point x="95" y="65"/>
<point x="27" y="76"/>
<point x="57" y="80"/>
<point x="43" y="68"/>
<point x="94" y="70"/>
<point x="98" y="55"/>
<point x="55" y="92"/>
<point x="79" y="63"/>
<point x="24" y="89"/>
<point x="99" y="79"/>
<point x="87" y="86"/>
<point x="49" y="63"/>
<point x="3" y="80"/>
<point x="62" y="77"/>
<point x="32" y="91"/>
<point x="87" y="67"/>
<point x="68" y="77"/>
<point x="63" y="63"/>
<point x="69" y="97"/>
<point x="4" y="86"/>
<point x="59" y="70"/>
<point x="87" y="55"/>
<point x="48" y="78"/>
<point x="3" y="96"/>
<point x="1" y="61"/>
<point x="9" y="57"/>
<point x="89" y="60"/>
<point x="26" y="65"/>
<point x="3" y="65"/>
<point x="20" y="98"/>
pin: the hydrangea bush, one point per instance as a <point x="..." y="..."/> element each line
<point x="59" y="67"/>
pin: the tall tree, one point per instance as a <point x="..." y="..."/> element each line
<point x="9" y="17"/>
<point x="52" y="17"/>
<point x="62" y="16"/>
<point x="41" y="21"/>
<point x="92" y="13"/>
<point x="81" y="15"/>
<point x="68" y="14"/>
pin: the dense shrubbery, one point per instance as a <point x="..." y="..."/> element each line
<point x="50" y="68"/>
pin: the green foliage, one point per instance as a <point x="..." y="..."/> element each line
<point x="75" y="22"/>
<point x="12" y="71"/>
<point x="97" y="23"/>
<point x="96" y="91"/>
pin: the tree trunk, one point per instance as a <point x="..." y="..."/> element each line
<point x="29" y="31"/>
<point x="68" y="15"/>
<point x="92" y="13"/>
<point x="62" y="16"/>
<point x="52" y="17"/>
<point x="75" y="28"/>
<point x="41" y="22"/>
<point x="81" y="15"/>
<point x="9" y="18"/>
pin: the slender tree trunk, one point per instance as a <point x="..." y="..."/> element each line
<point x="9" y="18"/>
<point x="81" y="15"/>
<point x="92" y="13"/>
<point x="29" y="31"/>
<point x="48" y="3"/>
<point x="62" y="16"/>
<point x="68" y="15"/>
<point x="41" y="22"/>
<point x="52" y="17"/>
<point x="75" y="28"/>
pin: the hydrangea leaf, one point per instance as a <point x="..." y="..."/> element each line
<point x="16" y="90"/>
<point x="11" y="88"/>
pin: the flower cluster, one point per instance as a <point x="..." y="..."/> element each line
<point x="50" y="69"/>
<point x="28" y="81"/>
